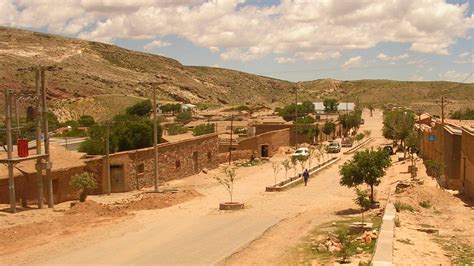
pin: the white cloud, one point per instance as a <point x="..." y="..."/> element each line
<point x="353" y="62"/>
<point x="310" y="30"/>
<point x="155" y="44"/>
<point x="385" y="57"/>
<point x="453" y="75"/>
<point x="285" y="60"/>
<point x="465" y="58"/>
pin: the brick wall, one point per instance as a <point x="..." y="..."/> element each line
<point x="236" y="155"/>
<point x="273" y="140"/>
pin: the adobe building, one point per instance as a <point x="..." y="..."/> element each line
<point x="467" y="162"/>
<point x="129" y="170"/>
<point x="261" y="145"/>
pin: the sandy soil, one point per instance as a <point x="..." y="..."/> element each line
<point x="37" y="227"/>
<point x="448" y="214"/>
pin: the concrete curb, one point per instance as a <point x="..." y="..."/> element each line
<point x="384" y="249"/>
<point x="299" y="180"/>
<point x="353" y="149"/>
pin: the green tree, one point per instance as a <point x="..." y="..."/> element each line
<point x="330" y="105"/>
<point x="86" y="121"/>
<point x="366" y="167"/>
<point x="184" y="117"/>
<point x="363" y="201"/>
<point x="329" y="128"/>
<point x="289" y="112"/>
<point x="305" y="125"/>
<point x="203" y="129"/>
<point x="142" y="108"/>
<point x="83" y="182"/>
<point x="467" y="114"/>
<point x="371" y="108"/>
<point x="398" y="124"/>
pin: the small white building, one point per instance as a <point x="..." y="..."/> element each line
<point x="343" y="106"/>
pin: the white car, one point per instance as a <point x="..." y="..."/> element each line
<point x="301" y="152"/>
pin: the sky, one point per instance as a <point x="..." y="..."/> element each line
<point x="291" y="40"/>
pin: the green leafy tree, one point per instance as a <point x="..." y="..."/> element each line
<point x="184" y="117"/>
<point x="359" y="137"/>
<point x="142" y="108"/>
<point x="398" y="124"/>
<point x="289" y="112"/>
<point x="203" y="129"/>
<point x="330" y="105"/>
<point x="329" y="128"/>
<point x="366" y="167"/>
<point x="467" y="114"/>
<point x="371" y="108"/>
<point x="363" y="201"/>
<point x="176" y="130"/>
<point x="305" y="125"/>
<point x="83" y="182"/>
<point x="86" y="121"/>
<point x="173" y="108"/>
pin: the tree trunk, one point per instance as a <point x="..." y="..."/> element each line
<point x="372" y="194"/>
<point x="83" y="196"/>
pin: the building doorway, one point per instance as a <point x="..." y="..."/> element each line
<point x="195" y="162"/>
<point x="117" y="178"/>
<point x="264" y="151"/>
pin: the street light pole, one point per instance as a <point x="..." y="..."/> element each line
<point x="296" y="117"/>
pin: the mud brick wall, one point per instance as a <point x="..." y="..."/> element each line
<point x="175" y="160"/>
<point x="273" y="139"/>
<point x="26" y="186"/>
<point x="467" y="163"/>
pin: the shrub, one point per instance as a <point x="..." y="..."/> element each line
<point x="203" y="129"/>
<point x="86" y="121"/>
<point x="403" y="207"/>
<point x="425" y="204"/>
<point x="83" y="182"/>
<point x="140" y="109"/>
<point x="184" y="117"/>
<point x="176" y="130"/>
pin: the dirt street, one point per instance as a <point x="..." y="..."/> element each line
<point x="196" y="232"/>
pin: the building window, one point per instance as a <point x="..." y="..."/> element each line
<point x="209" y="156"/>
<point x="141" y="168"/>
<point x="178" y="164"/>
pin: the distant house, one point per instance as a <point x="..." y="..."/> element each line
<point x="187" y="107"/>
<point x="343" y="106"/>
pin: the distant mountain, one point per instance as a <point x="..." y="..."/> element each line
<point x="92" y="68"/>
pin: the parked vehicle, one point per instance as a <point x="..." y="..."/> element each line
<point x="301" y="152"/>
<point x="347" y="142"/>
<point x="362" y="121"/>
<point x="334" y="147"/>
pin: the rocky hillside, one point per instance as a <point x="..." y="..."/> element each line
<point x="92" y="68"/>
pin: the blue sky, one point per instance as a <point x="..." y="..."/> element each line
<point x="291" y="40"/>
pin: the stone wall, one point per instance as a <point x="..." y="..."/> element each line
<point x="273" y="140"/>
<point x="236" y="155"/>
<point x="175" y="160"/>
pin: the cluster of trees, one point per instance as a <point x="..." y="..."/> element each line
<point x="204" y="129"/>
<point x="176" y="130"/>
<point x="142" y="108"/>
<point x="291" y="111"/>
<point x="173" y="108"/>
<point x="184" y="117"/>
<point x="133" y="130"/>
<point x="305" y="125"/>
<point x="330" y="105"/>
<point x="350" y="121"/>
<point x="468" y="114"/>
<point x="398" y="125"/>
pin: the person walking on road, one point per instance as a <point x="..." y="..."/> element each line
<point x="305" y="176"/>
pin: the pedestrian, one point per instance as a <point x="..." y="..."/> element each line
<point x="305" y="176"/>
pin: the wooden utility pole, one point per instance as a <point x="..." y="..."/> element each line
<point x="107" y="158"/>
<point x="231" y="132"/>
<point x="39" y="165"/>
<point x="296" y="117"/>
<point x="155" y="141"/>
<point x="46" y="139"/>
<point x="11" y="181"/>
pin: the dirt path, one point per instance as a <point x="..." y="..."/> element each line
<point x="326" y="202"/>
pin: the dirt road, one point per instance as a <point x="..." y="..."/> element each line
<point x="195" y="232"/>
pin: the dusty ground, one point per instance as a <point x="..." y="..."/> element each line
<point x="37" y="227"/>
<point x="446" y="214"/>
